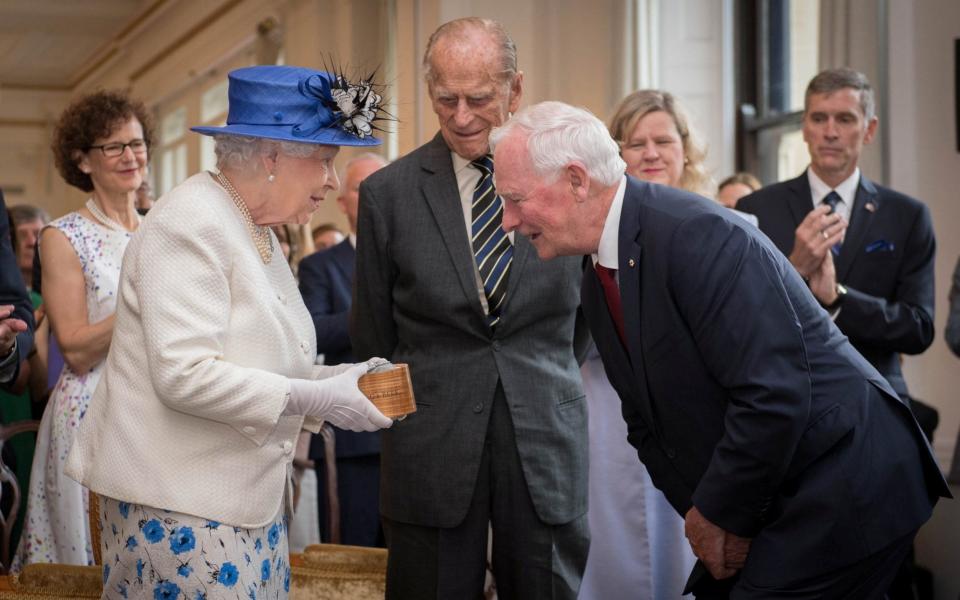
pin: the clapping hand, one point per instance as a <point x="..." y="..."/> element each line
<point x="819" y="231"/>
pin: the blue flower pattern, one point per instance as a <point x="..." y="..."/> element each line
<point x="200" y="559"/>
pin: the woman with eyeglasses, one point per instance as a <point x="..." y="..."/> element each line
<point x="100" y="146"/>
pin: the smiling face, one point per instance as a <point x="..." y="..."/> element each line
<point x="299" y="186"/>
<point x="468" y="94"/>
<point x="835" y="130"/>
<point x="550" y="214"/>
<point x="654" y="150"/>
<point x="115" y="175"/>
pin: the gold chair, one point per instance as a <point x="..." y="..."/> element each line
<point x="7" y="476"/>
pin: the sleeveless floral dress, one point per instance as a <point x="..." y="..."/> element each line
<point x="55" y="527"/>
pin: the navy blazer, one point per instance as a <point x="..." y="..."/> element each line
<point x="326" y="281"/>
<point x="744" y="399"/>
<point x="886" y="264"/>
<point x="13" y="291"/>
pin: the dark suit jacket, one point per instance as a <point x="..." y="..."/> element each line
<point x="12" y="290"/>
<point x="416" y="302"/>
<point x="326" y="282"/>
<point x="886" y="264"/>
<point x="744" y="399"/>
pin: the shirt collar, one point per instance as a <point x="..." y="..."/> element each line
<point x="847" y="188"/>
<point x="460" y="163"/>
<point x="608" y="252"/>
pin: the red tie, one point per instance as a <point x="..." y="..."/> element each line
<point x="608" y="279"/>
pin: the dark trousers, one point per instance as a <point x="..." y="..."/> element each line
<point x="531" y="559"/>
<point x="358" y="488"/>
<point x="868" y="579"/>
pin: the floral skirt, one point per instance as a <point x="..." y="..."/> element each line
<point x="161" y="555"/>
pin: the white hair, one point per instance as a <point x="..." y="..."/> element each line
<point x="559" y="134"/>
<point x="240" y="151"/>
<point x="371" y="156"/>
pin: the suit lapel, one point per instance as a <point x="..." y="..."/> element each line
<point x="865" y="206"/>
<point x="443" y="196"/>
<point x="630" y="255"/>
<point x="801" y="200"/>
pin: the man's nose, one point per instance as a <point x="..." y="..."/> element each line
<point x="463" y="115"/>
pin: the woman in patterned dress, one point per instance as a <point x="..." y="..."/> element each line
<point x="100" y="146"/>
<point x="189" y="439"/>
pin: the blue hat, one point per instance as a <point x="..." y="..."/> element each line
<point x="295" y="104"/>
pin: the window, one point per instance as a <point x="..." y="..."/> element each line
<point x="777" y="56"/>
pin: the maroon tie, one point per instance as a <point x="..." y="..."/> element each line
<point x="608" y="279"/>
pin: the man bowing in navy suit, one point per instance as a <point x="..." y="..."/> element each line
<point x="799" y="470"/>
<point x="326" y="281"/>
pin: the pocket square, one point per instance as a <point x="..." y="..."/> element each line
<point x="880" y="246"/>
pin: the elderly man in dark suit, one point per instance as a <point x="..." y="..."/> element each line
<point x="326" y="283"/>
<point x="499" y="437"/>
<point x="16" y="311"/>
<point x="800" y="472"/>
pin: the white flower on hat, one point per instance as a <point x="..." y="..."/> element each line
<point x="358" y="103"/>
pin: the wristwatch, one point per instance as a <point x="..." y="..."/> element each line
<point x="841" y="295"/>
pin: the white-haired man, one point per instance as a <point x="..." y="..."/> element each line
<point x="799" y="471"/>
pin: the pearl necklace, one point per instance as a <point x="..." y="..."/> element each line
<point x="101" y="216"/>
<point x="260" y="233"/>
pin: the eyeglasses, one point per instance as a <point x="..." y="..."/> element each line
<point x="116" y="148"/>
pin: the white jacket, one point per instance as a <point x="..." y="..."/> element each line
<point x="187" y="416"/>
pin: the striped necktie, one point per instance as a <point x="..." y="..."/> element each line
<point x="491" y="246"/>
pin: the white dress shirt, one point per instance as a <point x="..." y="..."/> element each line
<point x="847" y="191"/>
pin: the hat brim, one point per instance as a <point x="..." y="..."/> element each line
<point x="328" y="136"/>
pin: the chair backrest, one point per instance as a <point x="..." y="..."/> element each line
<point x="8" y="477"/>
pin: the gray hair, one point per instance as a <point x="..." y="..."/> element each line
<point x="559" y="134"/>
<point x="457" y="28"/>
<point x="25" y="213"/>
<point x="834" y="80"/>
<point x="240" y="151"/>
<point x="371" y="156"/>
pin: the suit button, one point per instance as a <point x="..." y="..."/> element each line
<point x="305" y="345"/>
<point x="249" y="430"/>
<point x="478" y="407"/>
<point x="496" y="345"/>
<point x="671" y="453"/>
<point x="287" y="447"/>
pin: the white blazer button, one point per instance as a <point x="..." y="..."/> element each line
<point x="287" y="447"/>
<point x="282" y="298"/>
<point x="249" y="430"/>
<point x="305" y="345"/>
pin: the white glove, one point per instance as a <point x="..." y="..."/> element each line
<point x="337" y="400"/>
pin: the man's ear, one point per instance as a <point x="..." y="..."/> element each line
<point x="871" y="130"/>
<point x="576" y="175"/>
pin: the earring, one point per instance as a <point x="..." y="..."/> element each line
<point x="271" y="178"/>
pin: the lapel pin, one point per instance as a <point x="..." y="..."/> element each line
<point x="631" y="262"/>
<point x="870" y="206"/>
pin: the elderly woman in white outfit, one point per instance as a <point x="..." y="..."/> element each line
<point x="190" y="436"/>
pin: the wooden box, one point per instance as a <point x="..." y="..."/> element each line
<point x="391" y="391"/>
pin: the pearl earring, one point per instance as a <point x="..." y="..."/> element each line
<point x="271" y="178"/>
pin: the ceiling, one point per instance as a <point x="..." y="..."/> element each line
<point x="46" y="44"/>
